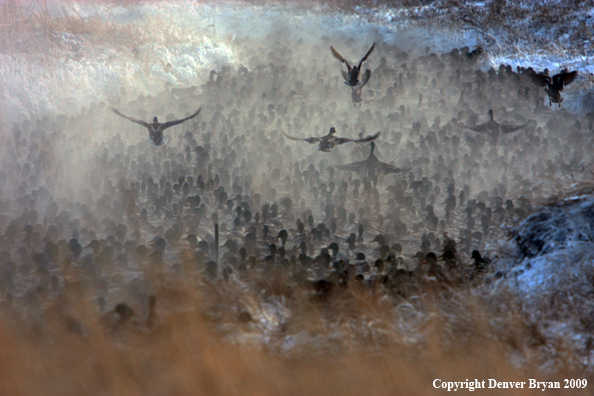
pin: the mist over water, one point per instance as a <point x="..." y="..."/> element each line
<point x="85" y="197"/>
<point x="156" y="59"/>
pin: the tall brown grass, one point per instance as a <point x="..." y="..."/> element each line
<point x="267" y="336"/>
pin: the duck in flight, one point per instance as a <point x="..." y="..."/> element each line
<point x="329" y="141"/>
<point x="371" y="166"/>
<point x="357" y="91"/>
<point x="494" y="129"/>
<point x="352" y="76"/>
<point x="156" y="128"/>
<point x="554" y="86"/>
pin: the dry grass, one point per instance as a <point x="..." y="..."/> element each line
<point x="291" y="342"/>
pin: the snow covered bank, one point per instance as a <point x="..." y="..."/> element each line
<point x="105" y="52"/>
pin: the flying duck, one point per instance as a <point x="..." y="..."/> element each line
<point x="329" y="141"/>
<point x="353" y="77"/>
<point x="495" y="129"/>
<point x="156" y="128"/>
<point x="371" y="166"/>
<point x="554" y="86"/>
<point x="357" y="91"/>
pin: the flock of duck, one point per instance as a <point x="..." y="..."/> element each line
<point x="233" y="192"/>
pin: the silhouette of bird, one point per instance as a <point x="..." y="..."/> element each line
<point x="495" y="129"/>
<point x="480" y="266"/>
<point x="357" y="91"/>
<point x="125" y="312"/>
<point x="554" y="86"/>
<point x="352" y="76"/>
<point x="156" y="128"/>
<point x="329" y="141"/>
<point x="371" y="166"/>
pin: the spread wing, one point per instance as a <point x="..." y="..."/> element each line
<point x="505" y="129"/>
<point x="353" y="167"/>
<point x="340" y="58"/>
<point x="365" y="78"/>
<point x="166" y="125"/>
<point x="144" y="124"/>
<point x="387" y="168"/>
<point x="309" y="140"/>
<point x="366" y="55"/>
<point x="562" y="79"/>
<point x="542" y="80"/>
<point x="368" y="138"/>
<point x="345" y="75"/>
<point x="482" y="128"/>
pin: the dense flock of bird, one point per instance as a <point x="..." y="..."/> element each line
<point x="433" y="154"/>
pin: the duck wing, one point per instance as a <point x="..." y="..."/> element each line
<point x="482" y="128"/>
<point x="345" y="75"/>
<point x="352" y="167"/>
<point x="340" y="58"/>
<point x="169" y="124"/>
<point x="367" y="138"/>
<point x="143" y="123"/>
<point x="562" y="79"/>
<point x="366" y="55"/>
<point x="387" y="168"/>
<point x="309" y="140"/>
<point x="505" y="129"/>
<point x="542" y="80"/>
<point x="365" y="78"/>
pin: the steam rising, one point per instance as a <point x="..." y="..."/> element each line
<point x="126" y="217"/>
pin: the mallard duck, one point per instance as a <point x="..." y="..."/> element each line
<point x="156" y="128"/>
<point x="554" y="86"/>
<point x="125" y="312"/>
<point x="480" y="266"/>
<point x="127" y="315"/>
<point x="352" y="76"/>
<point x="495" y="129"/>
<point x="371" y="166"/>
<point x="329" y="141"/>
<point x="357" y="91"/>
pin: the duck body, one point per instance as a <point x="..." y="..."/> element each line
<point x="357" y="91"/>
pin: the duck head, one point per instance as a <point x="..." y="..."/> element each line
<point x="125" y="312"/>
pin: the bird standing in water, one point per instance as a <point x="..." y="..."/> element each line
<point x="353" y="76"/>
<point x="480" y="266"/>
<point x="156" y="128"/>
